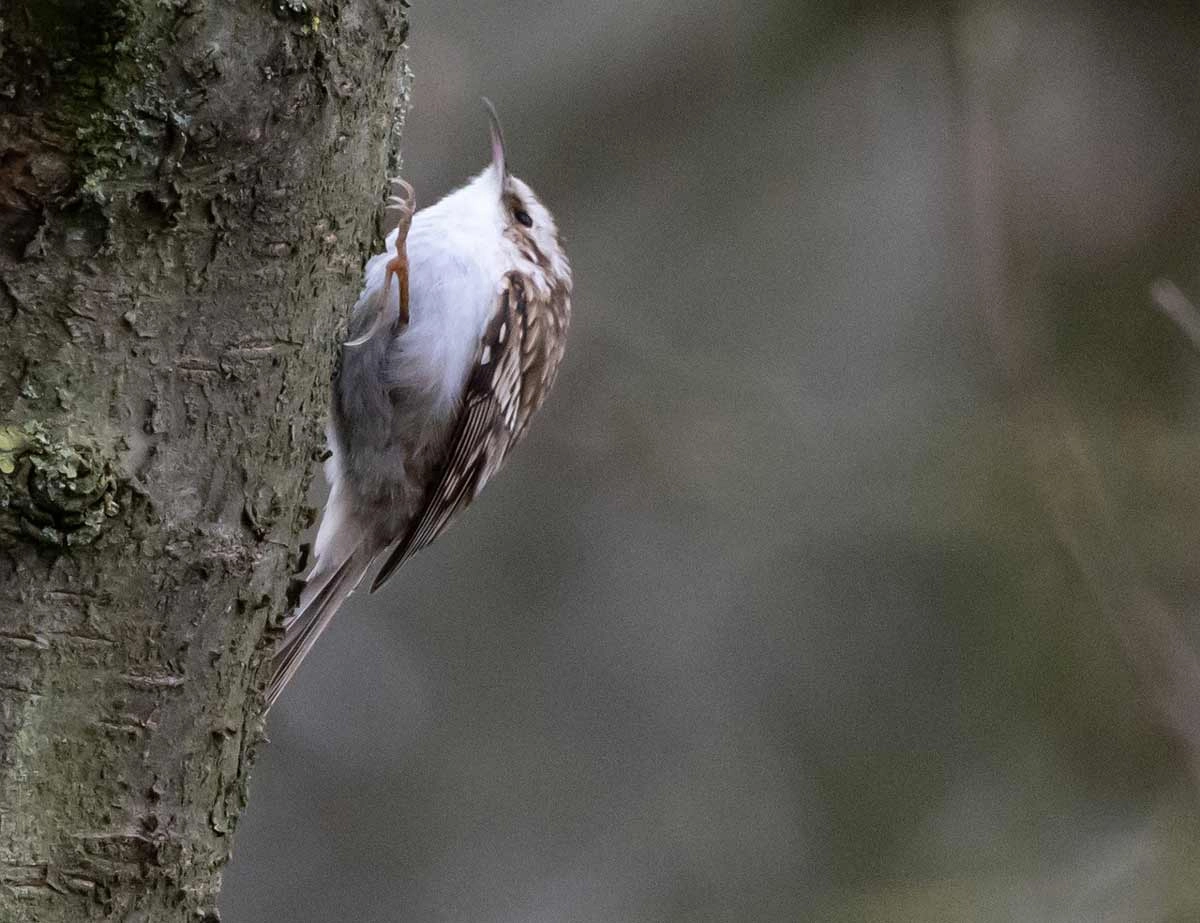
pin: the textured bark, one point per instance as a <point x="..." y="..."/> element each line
<point x="187" y="191"/>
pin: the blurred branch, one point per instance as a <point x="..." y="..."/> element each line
<point x="1175" y="304"/>
<point x="1064" y="474"/>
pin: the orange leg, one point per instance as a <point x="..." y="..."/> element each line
<point x="398" y="266"/>
<point x="403" y="203"/>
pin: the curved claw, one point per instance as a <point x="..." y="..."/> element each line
<point x="397" y="213"/>
<point x="376" y="326"/>
<point x="400" y="204"/>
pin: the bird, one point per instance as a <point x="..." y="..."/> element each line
<point x="438" y="380"/>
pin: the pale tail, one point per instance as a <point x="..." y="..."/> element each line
<point x="324" y="592"/>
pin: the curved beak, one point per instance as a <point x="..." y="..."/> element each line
<point x="497" y="139"/>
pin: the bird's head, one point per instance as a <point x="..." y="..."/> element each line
<point x="506" y="204"/>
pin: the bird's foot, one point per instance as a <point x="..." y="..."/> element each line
<point x="400" y="206"/>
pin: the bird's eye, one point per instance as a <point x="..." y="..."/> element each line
<point x="523" y="216"/>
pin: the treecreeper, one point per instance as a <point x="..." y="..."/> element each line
<point x="454" y="344"/>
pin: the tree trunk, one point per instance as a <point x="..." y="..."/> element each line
<point x="187" y="192"/>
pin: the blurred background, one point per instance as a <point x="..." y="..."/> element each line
<point x="851" y="572"/>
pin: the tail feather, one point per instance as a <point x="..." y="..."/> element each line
<point x="324" y="592"/>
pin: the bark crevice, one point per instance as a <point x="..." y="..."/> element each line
<point x="187" y="194"/>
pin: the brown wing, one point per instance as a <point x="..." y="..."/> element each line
<point x="515" y="366"/>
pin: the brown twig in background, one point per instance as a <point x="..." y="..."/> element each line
<point x="1065" y="476"/>
<point x="1176" y="305"/>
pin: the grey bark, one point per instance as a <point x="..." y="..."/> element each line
<point x="187" y="191"/>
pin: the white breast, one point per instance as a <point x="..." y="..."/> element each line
<point x="453" y="280"/>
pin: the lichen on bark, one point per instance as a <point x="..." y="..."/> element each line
<point x="52" y="492"/>
<point x="187" y="193"/>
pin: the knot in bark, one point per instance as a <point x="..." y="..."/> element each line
<point x="52" y="492"/>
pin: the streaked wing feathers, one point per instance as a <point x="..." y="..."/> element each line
<point x="514" y="368"/>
